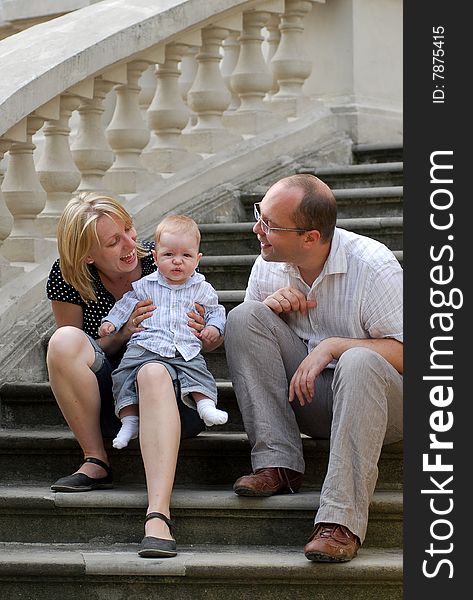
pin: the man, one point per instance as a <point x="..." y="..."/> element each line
<point x="316" y="347"/>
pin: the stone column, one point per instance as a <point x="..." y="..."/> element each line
<point x="7" y="270"/>
<point x="209" y="97"/>
<point x="231" y="51"/>
<point x="24" y="195"/>
<point x="6" y="220"/>
<point x="167" y="117"/>
<point x="251" y="80"/>
<point x="186" y="79"/>
<point x="290" y="64"/>
<point x="91" y="150"/>
<point x="147" y="85"/>
<point x="56" y="169"/>
<point x="272" y="40"/>
<point x="128" y="135"/>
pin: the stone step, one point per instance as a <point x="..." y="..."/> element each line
<point x="238" y="261"/>
<point x="55" y="572"/>
<point x="28" y="405"/>
<point x="231" y="298"/>
<point x="40" y="456"/>
<point x="203" y="515"/>
<point x="224" y="239"/>
<point x="377" y="152"/>
<point x="231" y="270"/>
<point x="382" y="174"/>
<point x="219" y="239"/>
<point x="352" y="202"/>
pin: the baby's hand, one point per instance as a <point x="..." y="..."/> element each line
<point x="106" y="328"/>
<point x="210" y="334"/>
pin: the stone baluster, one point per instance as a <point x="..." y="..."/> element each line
<point x="167" y="117"/>
<point x="147" y="85"/>
<point x="188" y="69"/>
<point x="231" y="51"/>
<point x="7" y="270"/>
<point x="16" y="134"/>
<point x="272" y="41"/>
<point x="56" y="169"/>
<point x="251" y="80"/>
<point x="209" y="97"/>
<point x="24" y="195"/>
<point x="91" y="150"/>
<point x="290" y="64"/>
<point x="128" y="135"/>
<point x="6" y="220"/>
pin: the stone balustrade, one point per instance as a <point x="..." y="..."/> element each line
<point x="185" y="83"/>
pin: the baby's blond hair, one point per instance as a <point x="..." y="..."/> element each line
<point x="177" y="224"/>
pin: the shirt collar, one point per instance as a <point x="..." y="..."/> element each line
<point x="159" y="277"/>
<point x="337" y="259"/>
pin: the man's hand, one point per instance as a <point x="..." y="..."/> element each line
<point x="302" y="384"/>
<point x="303" y="381"/>
<point x="288" y="299"/>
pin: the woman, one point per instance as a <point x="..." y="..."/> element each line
<point x="99" y="258"/>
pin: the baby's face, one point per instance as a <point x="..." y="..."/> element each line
<point x="177" y="255"/>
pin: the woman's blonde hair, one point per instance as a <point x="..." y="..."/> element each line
<point x="77" y="232"/>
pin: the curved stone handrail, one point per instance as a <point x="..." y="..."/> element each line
<point x="41" y="62"/>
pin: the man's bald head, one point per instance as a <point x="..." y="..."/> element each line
<point x="317" y="208"/>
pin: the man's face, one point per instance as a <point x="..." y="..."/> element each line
<point x="276" y="209"/>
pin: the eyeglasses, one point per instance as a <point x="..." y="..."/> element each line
<point x="266" y="228"/>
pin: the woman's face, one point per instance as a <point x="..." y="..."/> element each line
<point x="116" y="249"/>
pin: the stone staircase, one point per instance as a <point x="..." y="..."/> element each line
<point x="83" y="546"/>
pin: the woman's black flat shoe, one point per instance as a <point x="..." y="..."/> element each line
<point x="80" y="482"/>
<point x="153" y="547"/>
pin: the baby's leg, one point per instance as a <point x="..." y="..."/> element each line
<point x="207" y="410"/>
<point x="130" y="425"/>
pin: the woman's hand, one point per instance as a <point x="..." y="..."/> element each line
<point x="142" y="311"/>
<point x="112" y="343"/>
<point x="288" y="299"/>
<point x="196" y="321"/>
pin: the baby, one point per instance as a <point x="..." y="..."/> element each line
<point x="165" y="337"/>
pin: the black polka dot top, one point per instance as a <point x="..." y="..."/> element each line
<point x="94" y="312"/>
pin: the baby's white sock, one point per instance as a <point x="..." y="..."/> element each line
<point x="209" y="413"/>
<point x="128" y="431"/>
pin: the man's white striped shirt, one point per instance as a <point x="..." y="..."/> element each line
<point x="359" y="292"/>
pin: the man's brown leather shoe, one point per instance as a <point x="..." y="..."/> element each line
<point x="330" y="542"/>
<point x="269" y="481"/>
